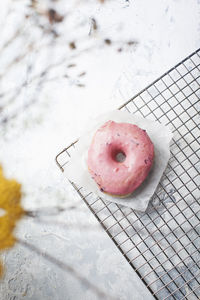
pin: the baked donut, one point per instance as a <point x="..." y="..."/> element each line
<point x="120" y="157"/>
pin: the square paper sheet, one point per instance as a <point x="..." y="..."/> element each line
<point x="76" y="170"/>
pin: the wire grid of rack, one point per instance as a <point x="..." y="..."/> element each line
<point x="162" y="244"/>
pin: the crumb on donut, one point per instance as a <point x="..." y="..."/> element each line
<point x="134" y="142"/>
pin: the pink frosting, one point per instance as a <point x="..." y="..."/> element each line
<point x="112" y="176"/>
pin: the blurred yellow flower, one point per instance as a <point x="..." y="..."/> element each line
<point x="10" y="211"/>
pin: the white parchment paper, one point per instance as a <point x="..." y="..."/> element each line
<point x="76" y="170"/>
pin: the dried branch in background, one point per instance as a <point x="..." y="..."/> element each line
<point x="30" y="50"/>
<point x="65" y="267"/>
<point x="53" y="16"/>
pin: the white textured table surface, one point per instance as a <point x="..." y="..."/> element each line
<point x="52" y="110"/>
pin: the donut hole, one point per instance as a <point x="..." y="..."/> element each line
<point x="120" y="156"/>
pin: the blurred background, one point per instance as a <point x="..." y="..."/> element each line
<point x="61" y="64"/>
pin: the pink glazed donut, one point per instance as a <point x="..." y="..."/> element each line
<point x="120" y="157"/>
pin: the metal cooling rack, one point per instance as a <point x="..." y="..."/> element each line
<point x="162" y="244"/>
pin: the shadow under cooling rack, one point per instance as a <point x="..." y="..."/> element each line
<point x="162" y="244"/>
